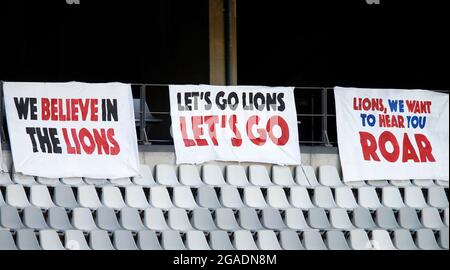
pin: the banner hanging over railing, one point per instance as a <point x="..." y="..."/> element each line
<point x="234" y="123"/>
<point x="61" y="130"/>
<point x="392" y="134"/>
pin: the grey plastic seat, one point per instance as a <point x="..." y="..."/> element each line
<point x="49" y="240"/>
<point x="189" y="176"/>
<point x="130" y="220"/>
<point x="183" y="198"/>
<point x="392" y="198"/>
<point x="254" y="198"/>
<point x="40" y="197"/>
<point x="267" y="240"/>
<point x="299" y="198"/>
<point x="401" y="183"/>
<point x="271" y="219"/>
<point x="82" y="220"/>
<point x="23" y="180"/>
<point x="443" y="238"/>
<point x="2" y="200"/>
<point x="276" y="198"/>
<point x="424" y="183"/>
<point x="426" y="240"/>
<point x="96" y="182"/>
<point x="345" y="198"/>
<point x="378" y="183"/>
<point x="75" y="240"/>
<point x="442" y="183"/>
<point x="166" y="175"/>
<point x="219" y="240"/>
<point x="312" y="240"/>
<point x="243" y="240"/>
<point x="230" y="197"/>
<point x="329" y="176"/>
<point x="259" y="176"/>
<point x="51" y="182"/>
<point x="339" y="219"/>
<point x="112" y="198"/>
<point x="212" y="175"/>
<point x="27" y="240"/>
<point x="317" y="219"/>
<point x="226" y="220"/>
<point x="362" y="219"/>
<point x="381" y="240"/>
<point x="201" y="219"/>
<point x="106" y="219"/>
<point x="171" y="240"/>
<point x="408" y="219"/>
<point x="154" y="220"/>
<point x="385" y="219"/>
<point x="16" y="196"/>
<point x="403" y="240"/>
<point x="7" y="241"/>
<point x="73" y="182"/>
<point x="88" y="198"/>
<point x="9" y="218"/>
<point x="160" y="198"/>
<point x="368" y="198"/>
<point x="359" y="240"/>
<point x="63" y="197"/>
<point x="305" y="176"/>
<point x="323" y="198"/>
<point x="124" y="240"/>
<point x="414" y="198"/>
<point x="207" y="198"/>
<point x="148" y="240"/>
<point x="431" y="219"/>
<point x="282" y="176"/>
<point x="248" y="219"/>
<point x="145" y="178"/>
<point x="57" y="219"/>
<point x="437" y="197"/>
<point x="5" y="179"/>
<point x="356" y="184"/>
<point x="335" y="240"/>
<point x="135" y="197"/>
<point x="33" y="218"/>
<point x="236" y="176"/>
<point x="100" y="240"/>
<point x="289" y="240"/>
<point x="196" y="240"/>
<point x="447" y="217"/>
<point x="121" y="182"/>
<point x="178" y="220"/>
<point x="295" y="219"/>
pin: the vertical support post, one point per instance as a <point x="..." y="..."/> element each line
<point x="142" y="115"/>
<point x="230" y="42"/>
<point x="2" y="132"/>
<point x="325" y="138"/>
<point x="216" y="42"/>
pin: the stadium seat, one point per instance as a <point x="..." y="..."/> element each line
<point x="33" y="218"/>
<point x="356" y="184"/>
<point x="87" y="197"/>
<point x="368" y="198"/>
<point x="23" y="180"/>
<point x="408" y="219"/>
<point x="335" y="240"/>
<point x="305" y="176"/>
<point x="442" y="183"/>
<point x="16" y="196"/>
<point x="401" y="183"/>
<point x="437" y="197"/>
<point x="40" y="197"/>
<point x="130" y="220"/>
<point x="329" y="176"/>
<point x="230" y="197"/>
<point x="424" y="183"/>
<point x="51" y="182"/>
<point x="339" y="219"/>
<point x="212" y="176"/>
<point x="282" y="176"/>
<point x="431" y="219"/>
<point x="381" y="240"/>
<point x="73" y="182"/>
<point x="259" y="176"/>
<point x="148" y="240"/>
<point x="97" y="182"/>
<point x="166" y="175"/>
<point x="276" y="198"/>
<point x="207" y="198"/>
<point x="27" y="240"/>
<point x="75" y="240"/>
<point x="323" y="198"/>
<point x="226" y="220"/>
<point x="112" y="198"/>
<point x="50" y="240"/>
<point x="220" y="240"/>
<point x="82" y="220"/>
<point x="299" y="198"/>
<point x="58" y="220"/>
<point x="254" y="198"/>
<point x="145" y="178"/>
<point x="443" y="238"/>
<point x="385" y="219"/>
<point x="426" y="240"/>
<point x="135" y="197"/>
<point x="171" y="240"/>
<point x="7" y="241"/>
<point x="5" y="179"/>
<point x="267" y="240"/>
<point x="295" y="219"/>
<point x="183" y="198"/>
<point x="160" y="198"/>
<point x="391" y="197"/>
<point x="446" y="217"/>
<point x="202" y="220"/>
<point x="123" y="240"/>
<point x="154" y="220"/>
<point x="236" y="176"/>
<point x="106" y="219"/>
<point x="317" y="219"/>
<point x="271" y="219"/>
<point x="100" y="240"/>
<point x="414" y="198"/>
<point x="196" y="240"/>
<point x="248" y="219"/>
<point x="178" y="220"/>
<point x="243" y="240"/>
<point x="378" y="183"/>
<point x="189" y="176"/>
<point x="359" y="240"/>
<point x="121" y="182"/>
<point x="312" y="240"/>
<point x="9" y="218"/>
<point x="2" y="201"/>
<point x="362" y="219"/>
<point x="403" y="240"/>
<point x="289" y="240"/>
<point x="345" y="198"/>
<point x="63" y="197"/>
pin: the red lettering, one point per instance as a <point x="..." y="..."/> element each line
<point x="197" y="121"/>
<point x="409" y="153"/>
<point x="45" y="102"/>
<point x="236" y="141"/>
<point x="115" y="149"/>
<point x="425" y="148"/>
<point x="187" y="142"/>
<point x="369" y="146"/>
<point x="212" y="121"/>
<point x="254" y="121"/>
<point x="278" y="121"/>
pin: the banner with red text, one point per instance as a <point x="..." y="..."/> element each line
<point x="392" y="134"/>
<point x="234" y="123"/>
<point x="61" y="130"/>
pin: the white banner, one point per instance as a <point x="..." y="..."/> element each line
<point x="235" y="123"/>
<point x="60" y="130"/>
<point x="392" y="134"/>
